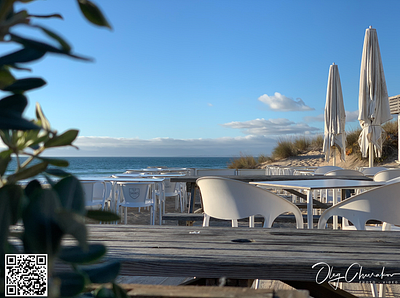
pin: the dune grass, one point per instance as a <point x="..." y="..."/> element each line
<point x="292" y="146"/>
<point x="247" y="161"/>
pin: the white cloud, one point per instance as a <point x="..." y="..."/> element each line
<point x="279" y="102"/>
<point x="272" y="127"/>
<point x="352" y="116"/>
<point x="225" y="146"/>
<point x="210" y="104"/>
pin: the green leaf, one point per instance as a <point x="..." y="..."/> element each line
<point x="102" y="215"/>
<point x="15" y="122"/>
<point x="13" y="194"/>
<point x="15" y="104"/>
<point x="73" y="225"/>
<point x="25" y="55"/>
<point x="11" y="109"/>
<point x="28" y="172"/>
<point x="54" y="161"/>
<point x="64" y="45"/>
<point x="71" y="194"/>
<point x="23" y="85"/>
<point x="119" y="292"/>
<point x="41" y="46"/>
<point x="42" y="233"/>
<point x="102" y="273"/>
<point x="5" y="158"/>
<point x="48" y="16"/>
<point x="92" y="13"/>
<point x="6" y="77"/>
<point x="58" y="172"/>
<point x="40" y="116"/>
<point x="72" y="283"/>
<point x="64" y="139"/>
<point x="77" y="255"/>
<point x="103" y="292"/>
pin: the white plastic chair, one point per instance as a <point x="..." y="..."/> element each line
<point x="136" y="195"/>
<point x="173" y="189"/>
<point x="386" y="175"/>
<point x="344" y="172"/>
<point x="232" y="200"/>
<point x="381" y="204"/>
<point x="370" y="172"/>
<point x="93" y="192"/>
<point x="324" y="169"/>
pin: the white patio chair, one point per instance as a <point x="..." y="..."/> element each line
<point x="136" y="195"/>
<point x="93" y="192"/>
<point x="386" y="175"/>
<point x="174" y="190"/>
<point x="344" y="172"/>
<point x="232" y="200"/>
<point x="324" y="169"/>
<point x="381" y="204"/>
<point x="370" y="172"/>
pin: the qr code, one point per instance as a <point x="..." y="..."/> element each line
<point x="26" y="275"/>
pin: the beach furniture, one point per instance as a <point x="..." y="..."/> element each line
<point x="210" y="172"/>
<point x="334" y="118"/>
<point x="386" y="175"/>
<point x="381" y="203"/>
<point x="229" y="199"/>
<point x="94" y="194"/>
<point x="289" y="255"/>
<point x="370" y="172"/>
<point x="244" y="172"/>
<point x="318" y="184"/>
<point x="324" y="169"/>
<point x="136" y="195"/>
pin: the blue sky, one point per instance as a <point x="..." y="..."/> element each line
<point x="205" y="77"/>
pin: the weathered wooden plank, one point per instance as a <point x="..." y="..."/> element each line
<point x="282" y="254"/>
<point x="146" y="291"/>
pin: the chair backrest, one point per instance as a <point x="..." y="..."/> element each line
<point x="88" y="190"/>
<point x="324" y="169"/>
<point x="231" y="200"/>
<point x="210" y="172"/>
<point x="386" y="175"/>
<point x="344" y="172"/>
<point x="98" y="191"/>
<point x="93" y="192"/>
<point x="135" y="194"/>
<point x="380" y="203"/>
<point x="372" y="171"/>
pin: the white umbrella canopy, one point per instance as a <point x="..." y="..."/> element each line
<point x="373" y="100"/>
<point x="334" y="117"/>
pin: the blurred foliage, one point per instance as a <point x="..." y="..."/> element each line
<point x="46" y="212"/>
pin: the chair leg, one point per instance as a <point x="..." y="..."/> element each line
<point x="125" y="214"/>
<point x="206" y="220"/>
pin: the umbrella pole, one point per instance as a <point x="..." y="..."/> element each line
<point x="334" y="156"/>
<point x="371" y="155"/>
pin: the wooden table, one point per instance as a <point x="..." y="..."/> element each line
<point x="191" y="181"/>
<point x="310" y="185"/>
<point x="243" y="253"/>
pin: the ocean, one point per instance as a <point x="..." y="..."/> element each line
<point x="106" y="166"/>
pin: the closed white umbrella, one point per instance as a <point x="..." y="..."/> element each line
<point x="334" y="117"/>
<point x="373" y="101"/>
